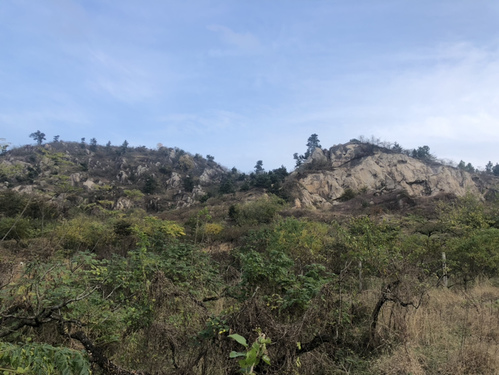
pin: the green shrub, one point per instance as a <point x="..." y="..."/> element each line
<point x="476" y="255"/>
<point x="122" y="228"/>
<point x="347" y="195"/>
<point x="12" y="203"/>
<point x="282" y="262"/>
<point x="205" y="197"/>
<point x="150" y="185"/>
<point x="8" y="172"/>
<point x="84" y="233"/>
<point x="245" y="186"/>
<point x="227" y="187"/>
<point x="188" y="184"/>
<point x="15" y="229"/>
<point x="134" y="194"/>
<point x="261" y="211"/>
<point x="154" y="233"/>
<point x="35" y="358"/>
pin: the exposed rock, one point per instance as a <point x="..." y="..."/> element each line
<point x="26" y="189"/>
<point x="317" y="156"/>
<point x="297" y="203"/>
<point x="363" y="167"/>
<point x="311" y="200"/>
<point x="10" y="163"/>
<point x="175" y="181"/>
<point x="90" y="185"/>
<point x="172" y="173"/>
<point x="75" y="178"/>
<point x="186" y="162"/>
<point x="209" y="176"/>
<point x="198" y="192"/>
<point x="122" y="177"/>
<point x="123" y="204"/>
<point x="178" y="179"/>
<point x="141" y="169"/>
<point x="45" y="161"/>
<point x="344" y="153"/>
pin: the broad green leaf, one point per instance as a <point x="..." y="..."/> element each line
<point x="240" y="339"/>
<point x="237" y="354"/>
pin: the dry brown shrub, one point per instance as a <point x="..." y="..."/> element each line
<point x="471" y="361"/>
<point x="455" y="332"/>
<point x="402" y="361"/>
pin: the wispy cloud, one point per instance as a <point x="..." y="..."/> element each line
<point x="339" y="70"/>
<point x="120" y="78"/>
<point x="452" y="97"/>
<point x="244" y="43"/>
<point x="211" y="123"/>
<point x="445" y="96"/>
<point x="18" y="125"/>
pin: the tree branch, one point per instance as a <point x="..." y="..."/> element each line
<point x="98" y="357"/>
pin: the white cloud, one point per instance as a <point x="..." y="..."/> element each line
<point x="445" y="97"/>
<point x="455" y="97"/>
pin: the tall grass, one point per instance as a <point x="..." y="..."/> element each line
<point x="454" y="332"/>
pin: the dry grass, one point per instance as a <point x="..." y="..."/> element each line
<point x="454" y="332"/>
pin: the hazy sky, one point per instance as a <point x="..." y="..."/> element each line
<point x="245" y="80"/>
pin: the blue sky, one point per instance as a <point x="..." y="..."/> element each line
<point x="252" y="80"/>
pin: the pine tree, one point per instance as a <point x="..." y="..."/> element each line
<point x="259" y="167"/>
<point x="312" y="143"/>
<point x="93" y="144"/>
<point x="38" y="136"/>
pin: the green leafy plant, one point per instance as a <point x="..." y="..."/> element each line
<point x="84" y="233"/>
<point x="254" y="353"/>
<point x="154" y="233"/>
<point x="347" y="195"/>
<point x="261" y="211"/>
<point x="134" y="194"/>
<point x="35" y="358"/>
<point x="15" y="229"/>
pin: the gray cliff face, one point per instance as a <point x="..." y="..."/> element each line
<point x="363" y="167"/>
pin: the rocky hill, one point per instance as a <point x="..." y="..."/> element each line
<point x="120" y="178"/>
<point x="331" y="176"/>
<point x="164" y="262"/>
<point x="110" y="176"/>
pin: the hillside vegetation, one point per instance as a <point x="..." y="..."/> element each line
<point x="118" y="260"/>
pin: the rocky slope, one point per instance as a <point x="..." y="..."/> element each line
<point x="359" y="167"/>
<point x="113" y="177"/>
<point x="118" y="178"/>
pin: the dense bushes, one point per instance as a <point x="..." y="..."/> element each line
<point x="356" y="295"/>
<point x="262" y="211"/>
<point x="31" y="206"/>
<point x="84" y="233"/>
<point x="15" y="229"/>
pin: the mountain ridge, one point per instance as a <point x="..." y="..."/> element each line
<point x="121" y="177"/>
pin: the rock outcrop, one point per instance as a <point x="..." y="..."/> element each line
<point x="362" y="167"/>
<point x="168" y="177"/>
